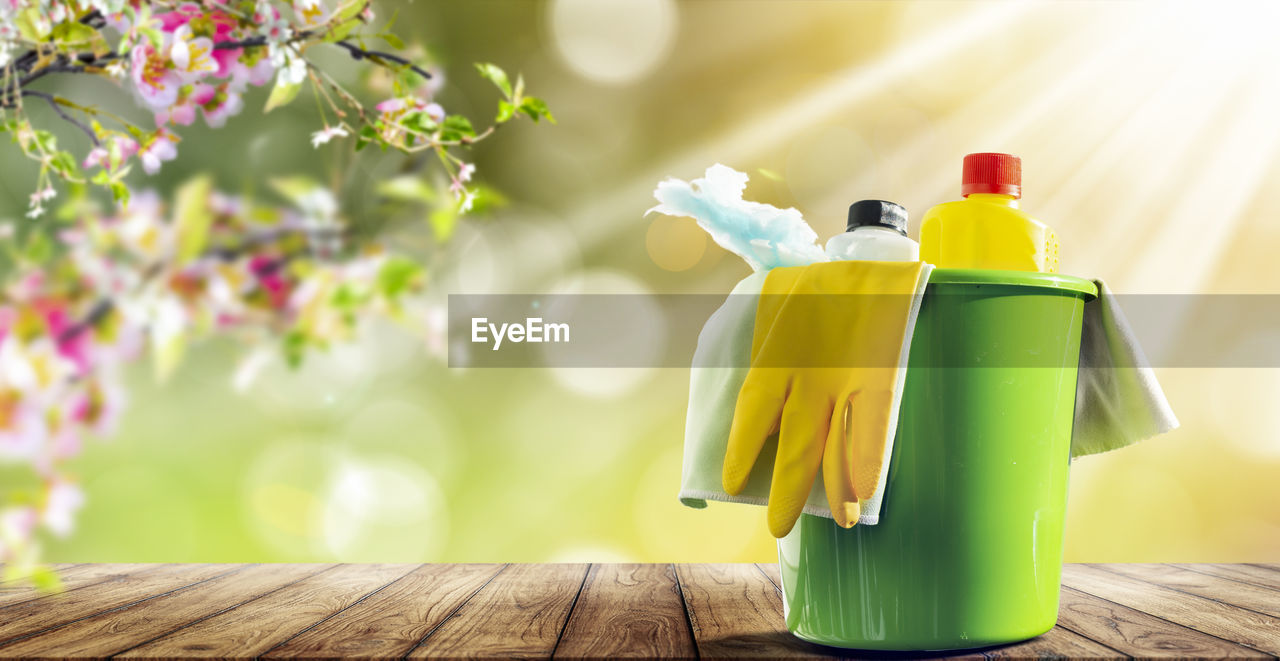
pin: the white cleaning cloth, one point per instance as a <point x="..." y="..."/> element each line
<point x="1118" y="400"/>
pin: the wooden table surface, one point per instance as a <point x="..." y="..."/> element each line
<point x="578" y="611"/>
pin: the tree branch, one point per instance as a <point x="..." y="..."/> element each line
<point x="97" y="313"/>
<point x="366" y="54"/>
<point x="57" y="107"/>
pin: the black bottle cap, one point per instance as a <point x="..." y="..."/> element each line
<point x="877" y="213"/>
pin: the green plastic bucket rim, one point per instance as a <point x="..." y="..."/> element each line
<point x="1056" y="281"/>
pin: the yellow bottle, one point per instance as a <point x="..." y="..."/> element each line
<point x="987" y="230"/>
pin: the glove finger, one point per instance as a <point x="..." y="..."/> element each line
<point x="837" y="467"/>
<point x="755" y="417"/>
<point x="804" y="432"/>
<point x="870" y="431"/>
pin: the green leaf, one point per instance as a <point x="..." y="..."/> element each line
<point x="536" y="108"/>
<point x="30" y="25"/>
<point x="294" y="188"/>
<point x="38" y="249"/>
<point x="295" y="348"/>
<point x="367" y="134"/>
<point x="495" y="74"/>
<point x="443" y="221"/>
<point x="282" y="95"/>
<point x="407" y="188"/>
<point x="455" y="128"/>
<point x="486" y="198"/>
<point x="73" y="34"/>
<point x="347" y="298"/>
<point x="420" y="121"/>
<point x="64" y="163"/>
<point x="193" y="217"/>
<point x="393" y="40"/>
<point x="349" y="11"/>
<point x="341" y="31"/>
<point x="167" y="350"/>
<point x="120" y="193"/>
<point x="398" y="275"/>
<point x="505" y="112"/>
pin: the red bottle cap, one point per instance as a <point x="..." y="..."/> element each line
<point x="999" y="174"/>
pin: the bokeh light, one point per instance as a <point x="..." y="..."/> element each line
<point x="612" y="41"/>
<point x="675" y="244"/>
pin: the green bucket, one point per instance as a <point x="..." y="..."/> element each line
<point x="968" y="551"/>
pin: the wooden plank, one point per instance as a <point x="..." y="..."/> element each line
<point x="73" y="578"/>
<point x="1245" y="573"/>
<point x="114" y="632"/>
<point x="1261" y="632"/>
<point x="771" y="572"/>
<point x="518" y="615"/>
<point x="1057" y="643"/>
<point x="736" y="612"/>
<point x="628" y="611"/>
<point x="253" y="628"/>
<point x="1245" y="595"/>
<point x="393" y="621"/>
<point x="1138" y="634"/>
<point x="27" y="618"/>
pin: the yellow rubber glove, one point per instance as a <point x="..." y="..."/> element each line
<point x="824" y="365"/>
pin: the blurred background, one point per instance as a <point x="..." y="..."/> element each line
<point x="1148" y="134"/>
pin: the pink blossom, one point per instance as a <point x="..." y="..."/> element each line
<point x="61" y="504"/>
<point x="222" y="105"/>
<point x="267" y="269"/>
<point x="192" y="56"/>
<point x="75" y="346"/>
<point x="95" y="158"/>
<point x="154" y="78"/>
<point x="159" y="149"/>
<point x="391" y="105"/>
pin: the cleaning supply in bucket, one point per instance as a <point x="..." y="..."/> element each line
<point x="987" y="229"/>
<point x="828" y="349"/>
<point x="876" y="229"/>
<point x="1112" y="368"/>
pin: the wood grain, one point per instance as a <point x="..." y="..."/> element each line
<point x="110" y="633"/>
<point x="253" y="628"/>
<point x="393" y="621"/>
<point x="628" y="611"/>
<point x="736" y="612"/>
<point x="771" y="571"/>
<point x="1244" y="595"/>
<point x="1056" y="643"/>
<point x="1261" y="632"/>
<point x="576" y="611"/>
<point x="1251" y="574"/>
<point x="73" y="578"/>
<point x="28" y="618"/>
<point x="1138" y="634"/>
<point x="518" y="615"/>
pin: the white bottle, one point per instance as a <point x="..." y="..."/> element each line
<point x="877" y="230"/>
